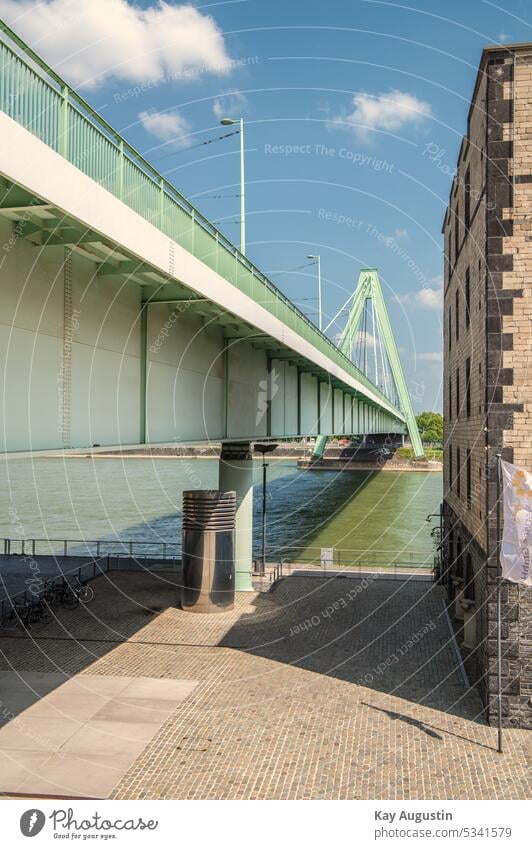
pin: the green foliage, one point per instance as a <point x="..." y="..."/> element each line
<point x="430" y="454"/>
<point x="430" y="426"/>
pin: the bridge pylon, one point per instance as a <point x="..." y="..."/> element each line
<point x="369" y="331"/>
<point x="368" y="341"/>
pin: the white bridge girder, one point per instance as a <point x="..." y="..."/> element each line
<point x="117" y="335"/>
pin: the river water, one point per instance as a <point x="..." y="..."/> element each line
<point x="140" y="499"/>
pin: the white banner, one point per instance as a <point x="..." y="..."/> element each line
<point x="516" y="545"/>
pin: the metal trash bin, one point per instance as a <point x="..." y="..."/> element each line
<point x="208" y="583"/>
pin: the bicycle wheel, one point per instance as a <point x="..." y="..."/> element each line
<point x="85" y="593"/>
<point x="69" y="598"/>
<point x="23" y="614"/>
<point x="44" y="613"/>
<point x="9" y="620"/>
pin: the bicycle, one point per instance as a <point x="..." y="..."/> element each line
<point x="40" y="611"/>
<point x="75" y="591"/>
<point x="9" y="619"/>
<point x="84" y="591"/>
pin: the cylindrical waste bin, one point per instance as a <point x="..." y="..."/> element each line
<point x="208" y="551"/>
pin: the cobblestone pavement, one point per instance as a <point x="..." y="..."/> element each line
<point x="331" y="688"/>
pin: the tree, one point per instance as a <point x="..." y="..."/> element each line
<point x="430" y="426"/>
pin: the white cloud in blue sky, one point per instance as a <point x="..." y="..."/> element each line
<point x="429" y="297"/>
<point x="435" y="357"/>
<point x="389" y="112"/>
<point x="91" y="42"/>
<point x="232" y="104"/>
<point x="167" y="127"/>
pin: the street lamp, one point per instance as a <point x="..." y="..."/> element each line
<point x="317" y="258"/>
<point x="228" y="122"/>
<point x="264" y="448"/>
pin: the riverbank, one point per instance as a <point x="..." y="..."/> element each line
<point x="336" y="457"/>
<point x="393" y="465"/>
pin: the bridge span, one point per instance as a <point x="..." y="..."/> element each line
<point x="128" y="318"/>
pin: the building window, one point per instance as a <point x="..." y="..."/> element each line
<point x="457" y="313"/>
<point x="458" y="472"/>
<point x="456" y="231"/>
<point x="457" y="389"/>
<point x="467" y="298"/>
<point x="450" y="328"/>
<point x="459" y="566"/>
<point x="450" y="398"/>
<point x="450" y="552"/>
<point x="469" y="583"/>
<point x="448" y="268"/>
<point x="451" y="482"/>
<point x="451" y="266"/>
<point x="468" y="479"/>
<point x="467" y="200"/>
<point x="468" y="386"/>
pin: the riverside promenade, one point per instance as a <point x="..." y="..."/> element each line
<point x="325" y="687"/>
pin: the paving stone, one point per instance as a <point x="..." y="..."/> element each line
<point x="324" y="688"/>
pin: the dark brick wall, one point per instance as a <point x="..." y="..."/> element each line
<point x="501" y="425"/>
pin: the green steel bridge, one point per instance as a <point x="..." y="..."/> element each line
<point x="128" y="318"/>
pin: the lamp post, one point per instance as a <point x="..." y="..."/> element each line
<point x="264" y="448"/>
<point x="317" y="258"/>
<point x="228" y="122"/>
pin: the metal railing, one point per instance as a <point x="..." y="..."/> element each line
<point x="90" y="548"/>
<point x="360" y="560"/>
<point x="42" y="102"/>
<point x="171" y="551"/>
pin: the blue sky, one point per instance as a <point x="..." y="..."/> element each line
<point x="354" y="113"/>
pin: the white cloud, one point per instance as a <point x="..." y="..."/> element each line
<point x="362" y="336"/>
<point x="431" y="357"/>
<point x="400" y="234"/>
<point x="397" y="236"/>
<point x="429" y="297"/>
<point x="503" y="37"/>
<point x="388" y="111"/>
<point x="92" y="41"/>
<point x="167" y="127"/>
<point x="229" y="105"/>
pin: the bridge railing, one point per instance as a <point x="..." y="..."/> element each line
<point x="41" y="101"/>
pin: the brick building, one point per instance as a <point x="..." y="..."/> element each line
<point x="487" y="360"/>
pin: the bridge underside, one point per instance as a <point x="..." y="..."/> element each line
<point x="105" y="340"/>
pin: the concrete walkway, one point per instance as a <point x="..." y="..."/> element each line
<point x="324" y="688"/>
<point x="80" y="735"/>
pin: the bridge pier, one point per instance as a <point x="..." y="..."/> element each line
<point x="236" y="473"/>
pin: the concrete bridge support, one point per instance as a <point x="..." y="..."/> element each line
<point x="236" y="473"/>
